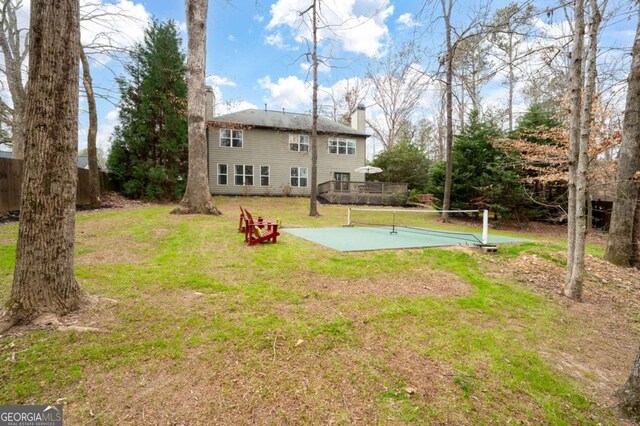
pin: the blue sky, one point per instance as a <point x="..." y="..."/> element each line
<point x="255" y="55"/>
<point x="255" y="51"/>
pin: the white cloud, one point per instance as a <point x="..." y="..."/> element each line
<point x="112" y="116"/>
<point x="358" y="25"/>
<point x="289" y="92"/>
<point x="106" y="124"/>
<point x="258" y="18"/>
<point x="406" y="20"/>
<point x="104" y="25"/>
<point x="181" y="26"/>
<point x="555" y="30"/>
<point x="105" y="130"/>
<point x="226" y="106"/>
<point x="276" y="40"/>
<point x="110" y="26"/>
<point x="217" y="80"/>
<point x="294" y="94"/>
<point x="231" y="38"/>
<point x="322" y="67"/>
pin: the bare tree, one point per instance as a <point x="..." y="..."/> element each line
<point x="398" y="85"/>
<point x="44" y="280"/>
<point x="197" y="197"/>
<point x="102" y="44"/>
<point x="511" y="26"/>
<point x="14" y="45"/>
<point x="473" y="69"/>
<point x="92" y="149"/>
<point x="344" y="100"/>
<point x="447" y="7"/>
<point x="577" y="78"/>
<point x="622" y="245"/>
<point x="313" y="199"/>
<point x="579" y="151"/>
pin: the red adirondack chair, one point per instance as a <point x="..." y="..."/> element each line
<point x="242" y="226"/>
<point x="258" y="231"/>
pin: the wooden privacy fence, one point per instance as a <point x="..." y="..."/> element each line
<point x="11" y="182"/>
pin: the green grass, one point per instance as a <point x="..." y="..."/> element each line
<point x="198" y="308"/>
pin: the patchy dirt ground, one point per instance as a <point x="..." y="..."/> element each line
<point x="606" y="324"/>
<point x="415" y="282"/>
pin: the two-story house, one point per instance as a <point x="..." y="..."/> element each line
<point x="263" y="152"/>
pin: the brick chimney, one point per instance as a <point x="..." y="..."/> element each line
<point x="210" y="101"/>
<point x="358" y="118"/>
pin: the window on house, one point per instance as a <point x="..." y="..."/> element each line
<point x="342" y="146"/>
<point x="299" y="176"/>
<point x="223" y="174"/>
<point x="299" y="143"/>
<point x="243" y="175"/>
<point x="264" y="175"/>
<point x="231" y="138"/>
<point x="342" y="181"/>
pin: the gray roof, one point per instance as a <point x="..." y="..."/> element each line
<point x="284" y="121"/>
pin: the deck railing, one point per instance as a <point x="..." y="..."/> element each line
<point x="352" y="192"/>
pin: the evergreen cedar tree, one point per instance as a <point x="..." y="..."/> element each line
<point x="488" y="172"/>
<point x="149" y="154"/>
<point x="403" y="162"/>
<point x="484" y="176"/>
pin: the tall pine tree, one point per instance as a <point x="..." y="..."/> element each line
<point x="483" y="175"/>
<point x="149" y="147"/>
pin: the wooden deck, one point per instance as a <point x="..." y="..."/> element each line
<point x="375" y="193"/>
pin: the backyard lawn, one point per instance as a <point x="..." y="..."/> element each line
<point x="197" y="328"/>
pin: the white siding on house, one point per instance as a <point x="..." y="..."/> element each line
<point x="267" y="147"/>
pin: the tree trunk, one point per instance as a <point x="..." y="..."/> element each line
<point x="574" y="140"/>
<point x="589" y="213"/>
<point x="635" y="237"/>
<point x="313" y="202"/>
<point x="92" y="151"/>
<point x="620" y="242"/>
<point x="630" y="393"/>
<point x="14" y="56"/>
<point x="512" y="81"/>
<point x="18" y="124"/>
<point x="43" y="279"/>
<point x="19" y="99"/>
<point x="573" y="287"/>
<point x="461" y="110"/>
<point x="446" y="202"/>
<point x="197" y="196"/>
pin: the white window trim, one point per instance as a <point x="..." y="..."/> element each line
<point x="297" y="143"/>
<point x="347" y="140"/>
<point x="299" y="186"/>
<point x="268" y="175"/>
<point x="231" y="130"/>
<point x="218" y="174"/>
<point x="243" y="174"/>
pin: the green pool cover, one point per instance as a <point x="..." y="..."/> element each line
<point x="372" y="238"/>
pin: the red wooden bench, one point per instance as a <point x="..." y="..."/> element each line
<point x="258" y="231"/>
